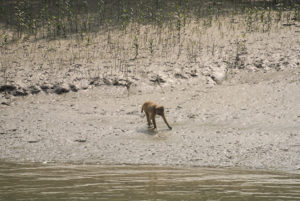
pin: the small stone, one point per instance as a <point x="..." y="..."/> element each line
<point x="45" y="87"/>
<point x="20" y="92"/>
<point x="7" y="88"/>
<point x="157" y="79"/>
<point x="73" y="87"/>
<point x="60" y="89"/>
<point x="33" y="141"/>
<point x="34" y="90"/>
<point x="80" y="140"/>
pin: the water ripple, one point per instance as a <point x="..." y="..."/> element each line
<point x="98" y="182"/>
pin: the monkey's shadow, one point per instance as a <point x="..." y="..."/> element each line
<point x="150" y="131"/>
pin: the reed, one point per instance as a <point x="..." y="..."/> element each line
<point x="100" y="31"/>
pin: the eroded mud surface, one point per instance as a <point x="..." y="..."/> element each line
<point x="253" y="124"/>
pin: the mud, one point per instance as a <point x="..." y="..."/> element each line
<point x="230" y="125"/>
<point x="231" y="104"/>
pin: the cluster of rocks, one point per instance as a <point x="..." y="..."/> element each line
<point x="61" y="88"/>
<point x="16" y="90"/>
<point x="83" y="84"/>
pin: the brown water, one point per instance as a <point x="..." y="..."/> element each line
<point x="98" y="182"/>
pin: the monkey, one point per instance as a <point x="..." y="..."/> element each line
<point x="151" y="109"/>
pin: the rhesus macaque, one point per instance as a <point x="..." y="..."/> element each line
<point x="151" y="109"/>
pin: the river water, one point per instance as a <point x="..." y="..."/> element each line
<point x="32" y="181"/>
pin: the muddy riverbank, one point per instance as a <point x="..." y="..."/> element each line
<point x="252" y="124"/>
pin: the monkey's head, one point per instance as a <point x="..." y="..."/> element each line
<point x="159" y="110"/>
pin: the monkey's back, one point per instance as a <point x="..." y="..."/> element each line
<point x="147" y="105"/>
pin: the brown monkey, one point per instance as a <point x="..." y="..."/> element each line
<point x="151" y="109"/>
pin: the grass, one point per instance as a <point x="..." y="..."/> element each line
<point x="62" y="18"/>
<point x="111" y="37"/>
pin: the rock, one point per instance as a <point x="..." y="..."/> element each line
<point x="73" y="88"/>
<point x="84" y="87"/>
<point x="60" y="89"/>
<point x="191" y="116"/>
<point x="239" y="62"/>
<point x="7" y="88"/>
<point x="33" y="141"/>
<point x="82" y="84"/>
<point x="219" y="74"/>
<point x="20" y="92"/>
<point x="121" y="82"/>
<point x="45" y="87"/>
<point x="193" y="73"/>
<point x="34" y="90"/>
<point x="96" y="81"/>
<point x="180" y="75"/>
<point x="258" y="63"/>
<point x="80" y="140"/>
<point x="5" y="103"/>
<point x="107" y="81"/>
<point x="288" y="24"/>
<point x="157" y="79"/>
<point x="210" y="81"/>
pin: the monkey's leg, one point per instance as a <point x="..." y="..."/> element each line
<point x="153" y="120"/>
<point x="165" y="120"/>
<point x="148" y="119"/>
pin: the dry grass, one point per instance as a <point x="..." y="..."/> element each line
<point x="184" y="45"/>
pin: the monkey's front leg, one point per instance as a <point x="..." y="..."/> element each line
<point x="153" y="120"/>
<point x="148" y="119"/>
<point x="165" y="120"/>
